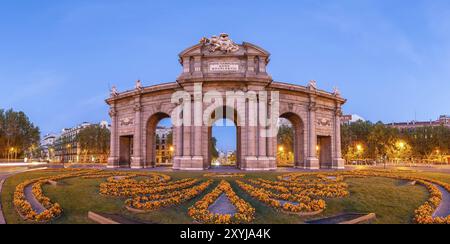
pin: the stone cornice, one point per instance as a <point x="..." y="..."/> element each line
<point x="304" y="89"/>
<point x="145" y="90"/>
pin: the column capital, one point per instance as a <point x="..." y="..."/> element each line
<point x="137" y="108"/>
<point x="338" y="112"/>
<point x="312" y="107"/>
<point x="112" y="112"/>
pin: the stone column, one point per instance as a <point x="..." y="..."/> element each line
<point x="197" y="112"/>
<point x="338" y="162"/>
<point x="251" y="160"/>
<point x="178" y="145"/>
<point x="137" y="160"/>
<point x="113" y="160"/>
<point x="312" y="162"/>
<point x="263" y="160"/>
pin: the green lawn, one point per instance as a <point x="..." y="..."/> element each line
<point x="392" y="200"/>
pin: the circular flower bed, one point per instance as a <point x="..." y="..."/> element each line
<point x="54" y="210"/>
<point x="423" y="215"/>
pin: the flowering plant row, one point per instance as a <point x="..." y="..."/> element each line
<point x="150" y="179"/>
<point x="154" y="202"/>
<point x="424" y="214"/>
<point x="310" y="178"/>
<point x="200" y="211"/>
<point x="319" y="190"/>
<point x="130" y="188"/>
<point x="52" y="210"/>
<point x="224" y="175"/>
<point x="297" y="204"/>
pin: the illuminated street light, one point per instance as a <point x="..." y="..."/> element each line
<point x="401" y="145"/>
<point x="359" y="148"/>
<point x="281" y="149"/>
<point x="172" y="149"/>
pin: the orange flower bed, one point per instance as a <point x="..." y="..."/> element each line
<point x="52" y="210"/>
<point x="157" y="201"/>
<point x="297" y="204"/>
<point x="244" y="211"/>
<point x="424" y="214"/>
<point x="318" y="190"/>
<point x="130" y="188"/>
<point x="224" y="175"/>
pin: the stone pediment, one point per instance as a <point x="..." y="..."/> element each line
<point x="220" y="58"/>
<point x="245" y="48"/>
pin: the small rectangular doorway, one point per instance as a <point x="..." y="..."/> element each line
<point x="126" y="151"/>
<point x="324" y="152"/>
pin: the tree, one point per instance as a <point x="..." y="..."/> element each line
<point x="354" y="139"/>
<point x="382" y="141"/>
<point x="94" y="141"/>
<point x="213" y="148"/>
<point x="18" y="136"/>
<point x="286" y="143"/>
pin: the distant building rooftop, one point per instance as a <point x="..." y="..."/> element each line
<point x="443" y="120"/>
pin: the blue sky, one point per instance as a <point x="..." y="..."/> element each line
<point x="389" y="58"/>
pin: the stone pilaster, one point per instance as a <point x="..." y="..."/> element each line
<point x="312" y="162"/>
<point x="251" y="159"/>
<point x="197" y="67"/>
<point x="338" y="161"/>
<point x="113" y="160"/>
<point x="137" y="161"/>
<point x="197" y="126"/>
<point x="178" y="145"/>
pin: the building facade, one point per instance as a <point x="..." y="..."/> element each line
<point x="66" y="148"/>
<point x="220" y="66"/>
<point x="164" y="148"/>
<point x="47" y="147"/>
<point x="443" y="120"/>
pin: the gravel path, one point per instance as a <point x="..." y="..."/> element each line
<point x="444" y="209"/>
<point x="37" y="206"/>
<point x="223" y="206"/>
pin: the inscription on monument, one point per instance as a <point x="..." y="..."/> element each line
<point x="224" y="67"/>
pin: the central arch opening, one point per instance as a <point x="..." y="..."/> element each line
<point x="224" y="147"/>
<point x="223" y="144"/>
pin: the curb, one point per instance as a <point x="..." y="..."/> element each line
<point x="2" y="217"/>
<point x="101" y="219"/>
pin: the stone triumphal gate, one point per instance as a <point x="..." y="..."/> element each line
<point x="218" y="64"/>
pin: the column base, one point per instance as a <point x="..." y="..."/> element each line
<point x="312" y="164"/>
<point x="137" y="163"/>
<point x="338" y="163"/>
<point x="188" y="163"/>
<point x="259" y="164"/>
<point x="113" y="163"/>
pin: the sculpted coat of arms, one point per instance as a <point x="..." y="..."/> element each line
<point x="324" y="122"/>
<point x="126" y="121"/>
<point x="221" y="43"/>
